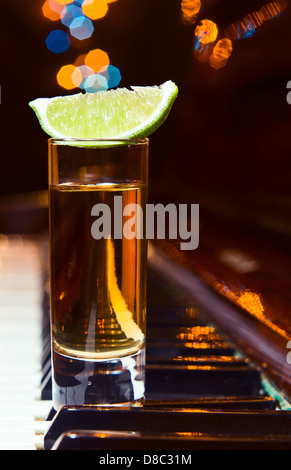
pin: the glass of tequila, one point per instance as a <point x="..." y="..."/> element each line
<point x="98" y="253"/>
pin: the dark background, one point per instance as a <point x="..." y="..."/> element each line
<point x="226" y="144"/>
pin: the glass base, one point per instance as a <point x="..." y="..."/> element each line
<point x="114" y="382"/>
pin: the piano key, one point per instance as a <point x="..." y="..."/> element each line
<point x="220" y="423"/>
<point x="220" y="403"/>
<point x="183" y="381"/>
<point x="109" y="440"/>
<point x="20" y="344"/>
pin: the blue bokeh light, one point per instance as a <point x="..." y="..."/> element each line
<point x="95" y="82"/>
<point x="81" y="28"/>
<point x="70" y="13"/>
<point x="112" y="75"/>
<point x="249" y="30"/>
<point x="86" y="72"/>
<point x="58" y="41"/>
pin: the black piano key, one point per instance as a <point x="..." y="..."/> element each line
<point x="46" y="386"/>
<point x="123" y="441"/>
<point x="228" y="403"/>
<point x="203" y="360"/>
<point x="182" y="382"/>
<point x="187" y="381"/>
<point x="251" y="424"/>
<point x="174" y="316"/>
<point x="173" y="350"/>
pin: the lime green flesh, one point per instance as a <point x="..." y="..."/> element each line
<point x="116" y="114"/>
<point x="102" y="114"/>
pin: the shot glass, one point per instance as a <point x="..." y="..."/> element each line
<point x="98" y="256"/>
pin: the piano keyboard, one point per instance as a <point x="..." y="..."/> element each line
<point x="22" y="412"/>
<point x="201" y="393"/>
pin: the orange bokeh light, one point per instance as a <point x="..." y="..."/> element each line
<point x="247" y="26"/>
<point x="95" y="9"/>
<point x="96" y="59"/>
<point x="206" y="32"/>
<point x="49" y="13"/>
<point x="65" y="77"/>
<point x="221" y="53"/>
<point x="190" y="10"/>
<point x="80" y="60"/>
<point x="80" y="74"/>
<point x="63" y="2"/>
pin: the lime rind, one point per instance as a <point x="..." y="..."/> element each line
<point x="40" y="106"/>
<point x="158" y="100"/>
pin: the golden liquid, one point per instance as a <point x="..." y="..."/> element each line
<point x="98" y="287"/>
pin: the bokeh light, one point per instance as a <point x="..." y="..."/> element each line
<point x="69" y="13"/>
<point x="95" y="82"/>
<point x="207" y="47"/>
<point x="97" y="59"/>
<point x="95" y="9"/>
<point x="81" y="28"/>
<point x="80" y="60"/>
<point x="190" y="10"/>
<point x="56" y="6"/>
<point x="80" y="74"/>
<point x="247" y="27"/>
<point x="112" y="75"/>
<point x="64" y="77"/>
<point x="206" y="32"/>
<point x="221" y="53"/>
<point x="58" y="41"/>
<point x="63" y="2"/>
<point x="91" y="71"/>
<point x="49" y="13"/>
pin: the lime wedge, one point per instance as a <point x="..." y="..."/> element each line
<point x="115" y="114"/>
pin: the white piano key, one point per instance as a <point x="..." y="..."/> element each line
<point x="17" y="440"/>
<point x="33" y="409"/>
<point x="22" y="412"/>
<point x="16" y="376"/>
<point x="21" y="394"/>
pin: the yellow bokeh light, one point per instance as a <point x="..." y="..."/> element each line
<point x="49" y="13"/>
<point x="96" y="59"/>
<point x="206" y="32"/>
<point x="95" y="9"/>
<point x="221" y="53"/>
<point x="65" y="77"/>
<point x="63" y="2"/>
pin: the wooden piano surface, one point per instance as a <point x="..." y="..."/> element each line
<point x="239" y="275"/>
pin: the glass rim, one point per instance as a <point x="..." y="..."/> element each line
<point x="134" y="141"/>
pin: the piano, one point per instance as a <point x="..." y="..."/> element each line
<point x="212" y="382"/>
